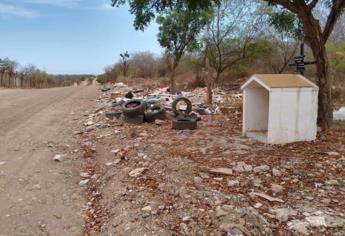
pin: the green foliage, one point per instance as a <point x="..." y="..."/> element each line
<point x="145" y="10"/>
<point x="285" y="21"/>
<point x="336" y="56"/>
<point x="101" y="79"/>
<point x="261" y="54"/>
<point x="179" y="28"/>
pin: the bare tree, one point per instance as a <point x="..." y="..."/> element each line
<point x="287" y="49"/>
<point x="234" y="25"/>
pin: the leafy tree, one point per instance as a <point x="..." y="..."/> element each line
<point x="178" y="31"/>
<point x="298" y="18"/>
<point x="8" y="67"/>
<point x="145" y="10"/>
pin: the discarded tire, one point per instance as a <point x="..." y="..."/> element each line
<point x="154" y="112"/>
<point x="176" y="109"/>
<point x="183" y="123"/>
<point x="133" y="108"/>
<point x="134" y="120"/>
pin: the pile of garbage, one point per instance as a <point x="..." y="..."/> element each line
<point x="136" y="105"/>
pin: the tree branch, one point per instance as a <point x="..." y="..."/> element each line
<point x="337" y="8"/>
<point x="313" y="4"/>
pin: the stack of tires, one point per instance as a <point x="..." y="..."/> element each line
<point x="135" y="111"/>
<point x="184" y="119"/>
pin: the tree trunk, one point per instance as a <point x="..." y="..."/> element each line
<point x="209" y="93"/>
<point x="172" y="80"/>
<point x="315" y="39"/>
<point x="173" y="74"/>
<point x="325" y="112"/>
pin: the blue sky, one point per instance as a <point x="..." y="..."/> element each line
<point x="70" y="36"/>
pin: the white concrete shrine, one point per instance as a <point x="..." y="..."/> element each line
<point x="280" y="108"/>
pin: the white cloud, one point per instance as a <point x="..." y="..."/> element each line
<point x="59" y="3"/>
<point x="7" y="9"/>
<point x="107" y="6"/>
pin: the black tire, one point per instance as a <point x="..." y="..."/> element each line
<point x="134" y="120"/>
<point x="184" y="123"/>
<point x="154" y="112"/>
<point x="133" y="108"/>
<point x="180" y="112"/>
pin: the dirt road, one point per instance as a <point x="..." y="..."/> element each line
<point x="37" y="195"/>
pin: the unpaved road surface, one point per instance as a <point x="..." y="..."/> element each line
<point x="39" y="196"/>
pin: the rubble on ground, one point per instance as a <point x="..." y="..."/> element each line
<point x="154" y="180"/>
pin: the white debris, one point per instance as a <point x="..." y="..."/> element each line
<point x="233" y="183"/>
<point x="283" y="214"/>
<point x="115" y="151"/>
<point x="276" y="172"/>
<point x="36" y="187"/>
<point x="265" y="196"/>
<point x="242" y="167"/>
<point x="333" y="153"/>
<point x="298" y="226"/>
<point x="147" y="208"/>
<point x="84" y="175"/>
<point x="262" y="168"/>
<point x="258" y="205"/>
<point x="316" y="221"/>
<point x="221" y="171"/>
<point x="58" y="157"/>
<point x="136" y="172"/>
<point x="84" y="182"/>
<point x="113" y="162"/>
<point x="88" y="123"/>
<point x="276" y="188"/>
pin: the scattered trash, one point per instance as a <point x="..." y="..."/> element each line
<point x="58" y="157"/>
<point x="136" y="172"/>
<point x="84" y="182"/>
<point x="88" y="123"/>
<point x="147" y="208"/>
<point x="269" y="198"/>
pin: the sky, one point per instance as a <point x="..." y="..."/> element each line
<point x="70" y="36"/>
